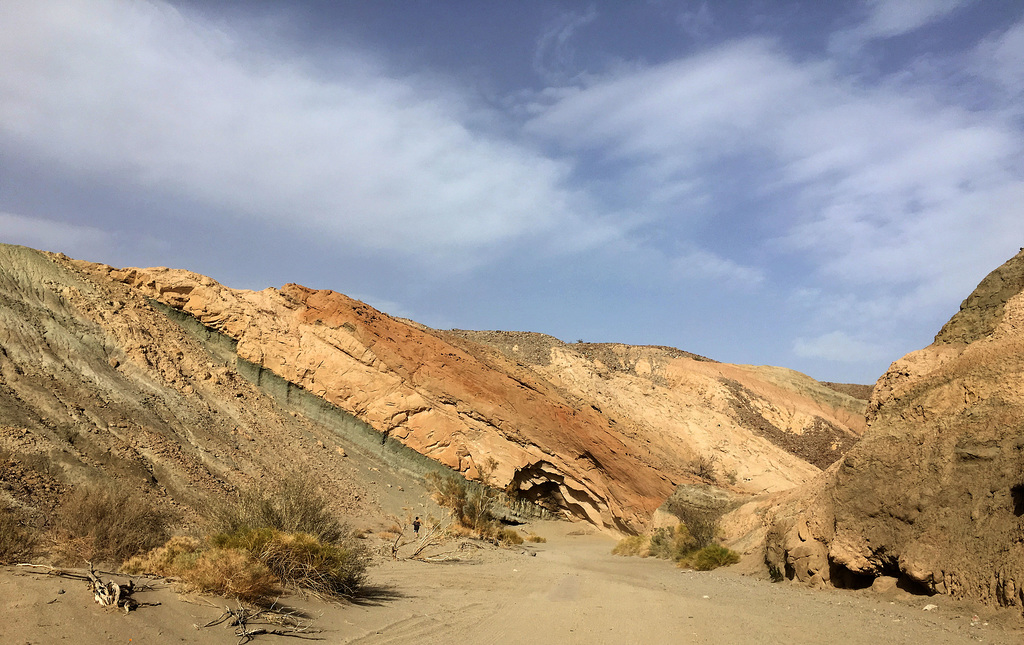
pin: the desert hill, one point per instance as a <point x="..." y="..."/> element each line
<point x="933" y="495"/>
<point x="174" y="380"/>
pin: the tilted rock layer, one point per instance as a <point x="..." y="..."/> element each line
<point x="603" y="432"/>
<point x="934" y="492"/>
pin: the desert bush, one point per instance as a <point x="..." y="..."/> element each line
<point x="509" y="537"/>
<point x="701" y="523"/>
<point x="672" y="543"/>
<point x="677" y="544"/>
<point x="469" y="506"/>
<point x="294" y="505"/>
<point x="18" y="537"/>
<point x="532" y="537"/>
<point x="107" y="524"/>
<point x="635" y="545"/>
<point x="705" y="466"/>
<point x="711" y="557"/>
<point x="226" y="572"/>
<point x="302" y="560"/>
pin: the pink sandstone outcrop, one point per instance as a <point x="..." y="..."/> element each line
<point x="934" y="492"/>
<point x="603" y="432"/>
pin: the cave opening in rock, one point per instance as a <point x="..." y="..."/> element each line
<point x="843" y="578"/>
<point x="1017" y="494"/>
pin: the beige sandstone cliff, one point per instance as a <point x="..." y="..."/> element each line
<point x="934" y="493"/>
<point x="604" y="432"/>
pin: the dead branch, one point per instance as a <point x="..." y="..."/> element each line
<point x="433" y="537"/>
<point x="247" y="621"/>
<point x="107" y="594"/>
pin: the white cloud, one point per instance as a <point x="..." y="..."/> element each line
<point x="889" y="18"/>
<point x="998" y="59"/>
<point x="839" y="346"/>
<point x="138" y="92"/>
<point x="895" y="202"/>
<point x="872" y="181"/>
<point x="554" y="59"/>
<point x="58" y="237"/>
<point x="703" y="265"/>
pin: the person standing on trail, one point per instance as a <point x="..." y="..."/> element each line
<point x="416" y="525"/>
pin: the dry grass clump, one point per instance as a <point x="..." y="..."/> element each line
<point x="18" y="537"/>
<point x="107" y="524"/>
<point x="294" y="505"/>
<point x="291" y="530"/>
<point x="679" y="545"/>
<point x="533" y="537"/>
<point x="508" y="537"/>
<point x="470" y="506"/>
<point x="302" y="560"/>
<point x="226" y="572"/>
<point x="633" y="545"/>
<point x="710" y="557"/>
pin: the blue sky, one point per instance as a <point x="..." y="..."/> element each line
<point x="809" y="184"/>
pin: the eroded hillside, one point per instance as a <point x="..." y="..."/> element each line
<point x="934" y="493"/>
<point x="170" y="377"/>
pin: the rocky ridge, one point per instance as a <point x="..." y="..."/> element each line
<point x="933" y="495"/>
<point x="602" y="432"/>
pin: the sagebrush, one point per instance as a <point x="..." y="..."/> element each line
<point x="232" y="573"/>
<point x="302" y="560"/>
<point x="294" y="505"/>
<point x="107" y="524"/>
<point x="18" y="536"/>
<point x="678" y="544"/>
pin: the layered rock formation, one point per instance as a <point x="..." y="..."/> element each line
<point x="934" y="493"/>
<point x="605" y="438"/>
<point x="94" y="366"/>
<point x="96" y="385"/>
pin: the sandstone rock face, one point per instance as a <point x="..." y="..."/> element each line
<point x="934" y="492"/>
<point x="96" y="378"/>
<point x="603" y="432"/>
<point x="95" y="385"/>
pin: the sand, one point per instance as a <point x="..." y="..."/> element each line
<point x="568" y="590"/>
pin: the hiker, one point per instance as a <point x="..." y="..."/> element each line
<point x="416" y="526"/>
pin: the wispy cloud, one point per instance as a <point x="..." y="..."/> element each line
<point x="150" y="97"/>
<point x="696" y="23"/>
<point x="890" y="18"/>
<point x="838" y="346"/>
<point x="554" y="58"/>
<point x="869" y="184"/>
<point x="705" y="266"/>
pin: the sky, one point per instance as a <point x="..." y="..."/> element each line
<point x="816" y="185"/>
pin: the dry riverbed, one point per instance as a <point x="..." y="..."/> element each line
<point x="568" y="590"/>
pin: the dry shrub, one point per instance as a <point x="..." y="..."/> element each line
<point x="677" y="544"/>
<point x="533" y="537"/>
<point x="226" y="572"/>
<point x="672" y="543"/>
<point x="107" y="524"/>
<point x="710" y="557"/>
<point x="18" y="537"/>
<point x="635" y="545"/>
<point x="509" y="537"/>
<point x="705" y="467"/>
<point x="702" y="523"/>
<point x="294" y="505"/>
<point x="302" y="560"/>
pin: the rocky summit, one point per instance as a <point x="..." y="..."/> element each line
<point x="932" y="497"/>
